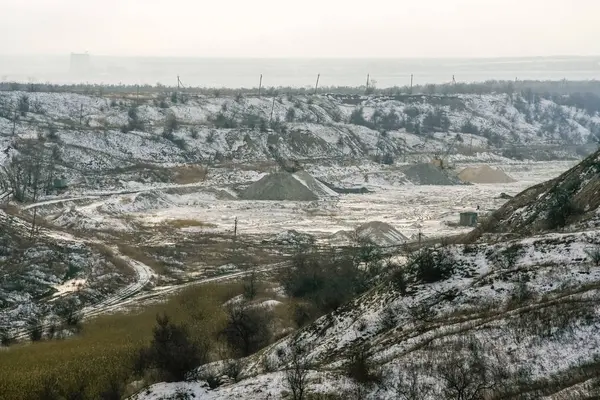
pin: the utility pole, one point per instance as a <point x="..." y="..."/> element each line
<point x="260" y="85"/>
<point x="317" y="85"/>
<point x="411" y="83"/>
<point x="272" y="109"/>
<point x="368" y="77"/>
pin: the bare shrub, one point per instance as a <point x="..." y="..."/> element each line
<point x="296" y="372"/>
<point x="171" y="124"/>
<point x="389" y="319"/>
<point x="171" y="351"/>
<point x="6" y="337"/>
<point x="233" y="369"/>
<point x="399" y="279"/>
<point x="360" y="369"/>
<point x="508" y="258"/>
<point x="467" y="375"/>
<point x="68" y="311"/>
<point x="594" y="255"/>
<point x="35" y="330"/>
<point x="248" y="328"/>
<point x="193" y="132"/>
<point x="410" y="387"/>
<point x="521" y="293"/>
<point x="432" y="265"/>
<point x="327" y="281"/>
<point x="304" y="313"/>
<point x="251" y="285"/>
<point x="23" y="104"/>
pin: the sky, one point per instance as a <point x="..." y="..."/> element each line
<point x="306" y="28"/>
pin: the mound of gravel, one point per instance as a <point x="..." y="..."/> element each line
<point x="315" y="186"/>
<point x="429" y="174"/>
<point x="484" y="174"/>
<point x="278" y="186"/>
<point x="381" y="234"/>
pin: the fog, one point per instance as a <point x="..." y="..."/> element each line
<point x="309" y="28"/>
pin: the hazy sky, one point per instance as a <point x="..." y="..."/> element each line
<point x="305" y="28"/>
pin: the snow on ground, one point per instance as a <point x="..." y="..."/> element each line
<point x="404" y="207"/>
<point x="434" y="210"/>
<point x="69" y="286"/>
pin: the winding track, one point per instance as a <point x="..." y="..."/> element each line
<point x="132" y="292"/>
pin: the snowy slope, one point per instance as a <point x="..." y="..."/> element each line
<point x="98" y="133"/>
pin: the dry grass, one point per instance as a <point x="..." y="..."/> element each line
<point x="109" y="255"/>
<point x="186" y="223"/>
<point x="189" y="174"/>
<point x="143" y="257"/>
<point x="107" y="346"/>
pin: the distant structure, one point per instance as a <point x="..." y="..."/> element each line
<point x="80" y="63"/>
<point x="468" y="219"/>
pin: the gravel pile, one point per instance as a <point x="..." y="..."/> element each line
<point x="484" y="174"/>
<point x="429" y="174"/>
<point x="381" y="234"/>
<point x="278" y="186"/>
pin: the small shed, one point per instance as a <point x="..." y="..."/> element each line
<point x="468" y="218"/>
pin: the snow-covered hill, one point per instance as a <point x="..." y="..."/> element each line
<point x="513" y="319"/>
<point x="572" y="200"/>
<point x="107" y="134"/>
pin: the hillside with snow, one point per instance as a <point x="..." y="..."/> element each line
<point x="516" y="319"/>
<point x="144" y="137"/>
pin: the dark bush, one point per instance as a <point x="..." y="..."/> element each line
<point x="171" y="123"/>
<point x="562" y="207"/>
<point x="594" y="255"/>
<point x="69" y="313"/>
<point x="251" y="285"/>
<point x="290" y="115"/>
<point x="6" y="337"/>
<point x="248" y="328"/>
<point x="357" y="118"/>
<point x="469" y="127"/>
<point x="223" y="121"/>
<point x="23" y="104"/>
<point x="134" y="123"/>
<point x="327" y="282"/>
<point x="389" y="319"/>
<point x="304" y="314"/>
<point x="399" y="279"/>
<point x="171" y="351"/>
<point x="436" y="121"/>
<point x="431" y="265"/>
<point x="361" y="370"/>
<point x="210" y="138"/>
<point x="36" y="330"/>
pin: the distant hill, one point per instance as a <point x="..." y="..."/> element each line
<point x="568" y="202"/>
<point x="113" y="134"/>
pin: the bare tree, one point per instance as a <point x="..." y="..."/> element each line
<point x="410" y="387"/>
<point x="251" y="285"/>
<point x="248" y="328"/>
<point x="296" y="373"/>
<point x="30" y="172"/>
<point x="470" y="376"/>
